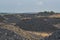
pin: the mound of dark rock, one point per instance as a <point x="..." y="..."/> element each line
<point x="37" y="24"/>
<point x="54" y="36"/>
<point x="9" y="35"/>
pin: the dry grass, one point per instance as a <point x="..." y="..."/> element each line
<point x="43" y="34"/>
<point x="57" y="25"/>
<point x="23" y="33"/>
<point x="19" y="31"/>
<point x="54" y="16"/>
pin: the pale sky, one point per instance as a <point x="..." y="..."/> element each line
<point x="20" y="6"/>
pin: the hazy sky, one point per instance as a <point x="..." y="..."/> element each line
<point x="17" y="6"/>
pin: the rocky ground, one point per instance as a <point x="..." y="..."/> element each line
<point x="54" y="36"/>
<point x="11" y="32"/>
<point x="29" y="27"/>
<point x="9" y="35"/>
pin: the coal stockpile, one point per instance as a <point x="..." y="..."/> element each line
<point x="9" y="35"/>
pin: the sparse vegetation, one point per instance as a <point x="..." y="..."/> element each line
<point x="37" y="26"/>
